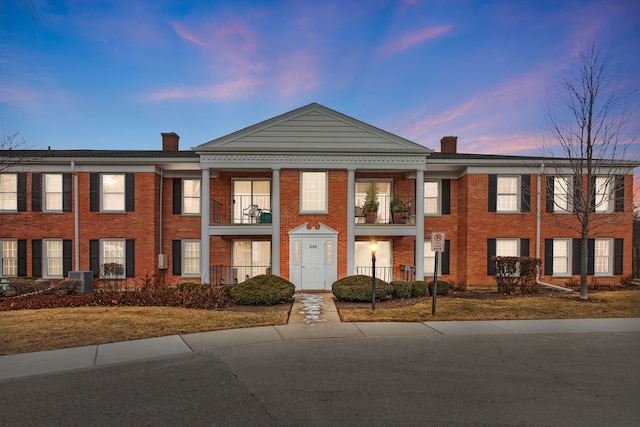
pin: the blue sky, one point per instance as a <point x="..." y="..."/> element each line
<point x="115" y="74"/>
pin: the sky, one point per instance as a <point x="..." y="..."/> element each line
<point x="97" y="74"/>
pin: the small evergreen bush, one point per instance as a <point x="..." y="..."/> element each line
<point x="358" y="288"/>
<point x="262" y="290"/>
<point x="401" y="289"/>
<point x="418" y="288"/>
<point x="443" y="287"/>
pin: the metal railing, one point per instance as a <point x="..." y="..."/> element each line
<point x="223" y="275"/>
<point x="405" y="273"/>
<point x="406" y="210"/>
<point x="241" y="209"/>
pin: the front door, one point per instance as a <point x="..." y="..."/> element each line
<point x="313" y="264"/>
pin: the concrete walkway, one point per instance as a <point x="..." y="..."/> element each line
<point x="313" y="316"/>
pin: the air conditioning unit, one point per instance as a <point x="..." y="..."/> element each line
<point x="86" y="280"/>
<point x="162" y="261"/>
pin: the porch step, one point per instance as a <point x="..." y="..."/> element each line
<point x="313" y="309"/>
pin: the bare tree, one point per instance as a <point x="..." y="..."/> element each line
<point x="589" y="155"/>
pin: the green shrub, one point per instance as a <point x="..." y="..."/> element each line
<point x="358" y="288"/>
<point x="401" y="289"/>
<point x="443" y="287"/>
<point x="262" y="290"/>
<point x="418" y="288"/>
<point x="186" y="286"/>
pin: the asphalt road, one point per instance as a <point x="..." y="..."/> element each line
<point x="586" y="379"/>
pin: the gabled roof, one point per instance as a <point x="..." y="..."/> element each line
<point x="312" y="128"/>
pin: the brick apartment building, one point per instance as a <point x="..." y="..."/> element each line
<point x="286" y="196"/>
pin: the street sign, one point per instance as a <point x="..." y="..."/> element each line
<point x="437" y="241"/>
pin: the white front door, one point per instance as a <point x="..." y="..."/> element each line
<point x="313" y="264"/>
<point x="312" y="257"/>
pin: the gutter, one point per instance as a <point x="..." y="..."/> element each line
<point x="538" y="219"/>
<point x="76" y="219"/>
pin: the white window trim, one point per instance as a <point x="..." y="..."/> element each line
<point x="431" y="262"/>
<point x="184" y="197"/>
<point x="15" y="241"/>
<point x="124" y="259"/>
<point x="439" y="197"/>
<point x="557" y="209"/>
<point x="45" y="192"/>
<point x="184" y="258"/>
<point x="518" y="244"/>
<point x="102" y="193"/>
<point x="569" y="257"/>
<point x="14" y="192"/>
<point x="45" y="259"/>
<point x="609" y="273"/>
<point x="606" y="207"/>
<point x="326" y="193"/>
<point x="517" y="194"/>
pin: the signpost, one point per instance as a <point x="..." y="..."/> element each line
<point x="437" y="246"/>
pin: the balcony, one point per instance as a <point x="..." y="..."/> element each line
<point x="223" y="275"/>
<point x="241" y="209"/>
<point x="404" y="207"/>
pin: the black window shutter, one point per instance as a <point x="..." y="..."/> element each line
<point x="592" y="256"/>
<point x="66" y="192"/>
<point x="491" y="252"/>
<point x="36" y="258"/>
<point x="592" y="195"/>
<point x="94" y="194"/>
<point x="577" y="254"/>
<point x="67" y="251"/>
<point x="22" y="257"/>
<point x="129" y="193"/>
<point x="176" y="257"/>
<point x="525" y="193"/>
<point x="493" y="192"/>
<point x="524" y="247"/>
<point x="36" y="193"/>
<point x="619" y="192"/>
<point x="619" y="256"/>
<point x="177" y="195"/>
<point x="446" y="196"/>
<point x="548" y="257"/>
<point x="446" y="257"/>
<point x="578" y="203"/>
<point x="22" y="192"/>
<point x="94" y="254"/>
<point x="550" y="194"/>
<point x="130" y="253"/>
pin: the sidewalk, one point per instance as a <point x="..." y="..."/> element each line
<point x="313" y="316"/>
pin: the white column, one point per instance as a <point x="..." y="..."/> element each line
<point x="419" y="225"/>
<point x="275" y="222"/>
<point x="205" y="200"/>
<point x="351" y="227"/>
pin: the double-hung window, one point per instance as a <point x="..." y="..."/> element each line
<point x="53" y="192"/>
<point x="603" y="195"/>
<point x="113" y="192"/>
<point x="113" y="253"/>
<point x="432" y="198"/>
<point x="562" y="194"/>
<point x="313" y="192"/>
<point x="53" y="258"/>
<point x="191" y="257"/>
<point x="561" y="257"/>
<point x="191" y="196"/>
<point x="602" y="257"/>
<point x="507" y="194"/>
<point x="9" y="258"/>
<point x="430" y="260"/>
<point x="8" y="192"/>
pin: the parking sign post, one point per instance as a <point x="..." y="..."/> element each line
<point x="437" y="246"/>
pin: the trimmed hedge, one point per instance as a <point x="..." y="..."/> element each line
<point x="443" y="287"/>
<point x="262" y="290"/>
<point x="401" y="289"/>
<point x="358" y="288"/>
<point x="418" y="288"/>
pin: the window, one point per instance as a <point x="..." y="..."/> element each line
<point x="313" y="192"/>
<point x="603" y="200"/>
<point x="250" y="258"/>
<point x="561" y="257"/>
<point x="430" y="260"/>
<point x="249" y="198"/>
<point x="383" y="189"/>
<point x="52" y="192"/>
<point x="602" y="257"/>
<point x="8" y="192"/>
<point x="191" y="257"/>
<point x="191" y="196"/>
<point x="507" y="194"/>
<point x="383" y="259"/>
<point x="507" y="247"/>
<point x="9" y="258"/>
<point x="432" y="198"/>
<point x="53" y="258"/>
<point x="113" y="252"/>
<point x="562" y="194"/>
<point x="113" y="193"/>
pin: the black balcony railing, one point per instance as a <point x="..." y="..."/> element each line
<point x="223" y="275"/>
<point x="405" y="273"/>
<point x="391" y="210"/>
<point x="241" y="209"/>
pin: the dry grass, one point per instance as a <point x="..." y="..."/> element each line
<point x="599" y="305"/>
<point x="24" y="331"/>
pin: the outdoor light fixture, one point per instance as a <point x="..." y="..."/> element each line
<point x="374" y="247"/>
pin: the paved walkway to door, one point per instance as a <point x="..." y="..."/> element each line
<point x="313" y="309"/>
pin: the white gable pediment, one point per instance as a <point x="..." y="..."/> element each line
<point x="312" y="129"/>
<point x="319" y="230"/>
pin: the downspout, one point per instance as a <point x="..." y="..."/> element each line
<point x="76" y="219"/>
<point x="538" y="234"/>
<point x="160" y="217"/>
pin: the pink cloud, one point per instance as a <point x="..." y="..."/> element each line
<point x="239" y="88"/>
<point x="408" y="40"/>
<point x="297" y="75"/>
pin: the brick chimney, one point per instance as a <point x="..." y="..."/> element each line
<point x="449" y="144"/>
<point x="170" y="141"/>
